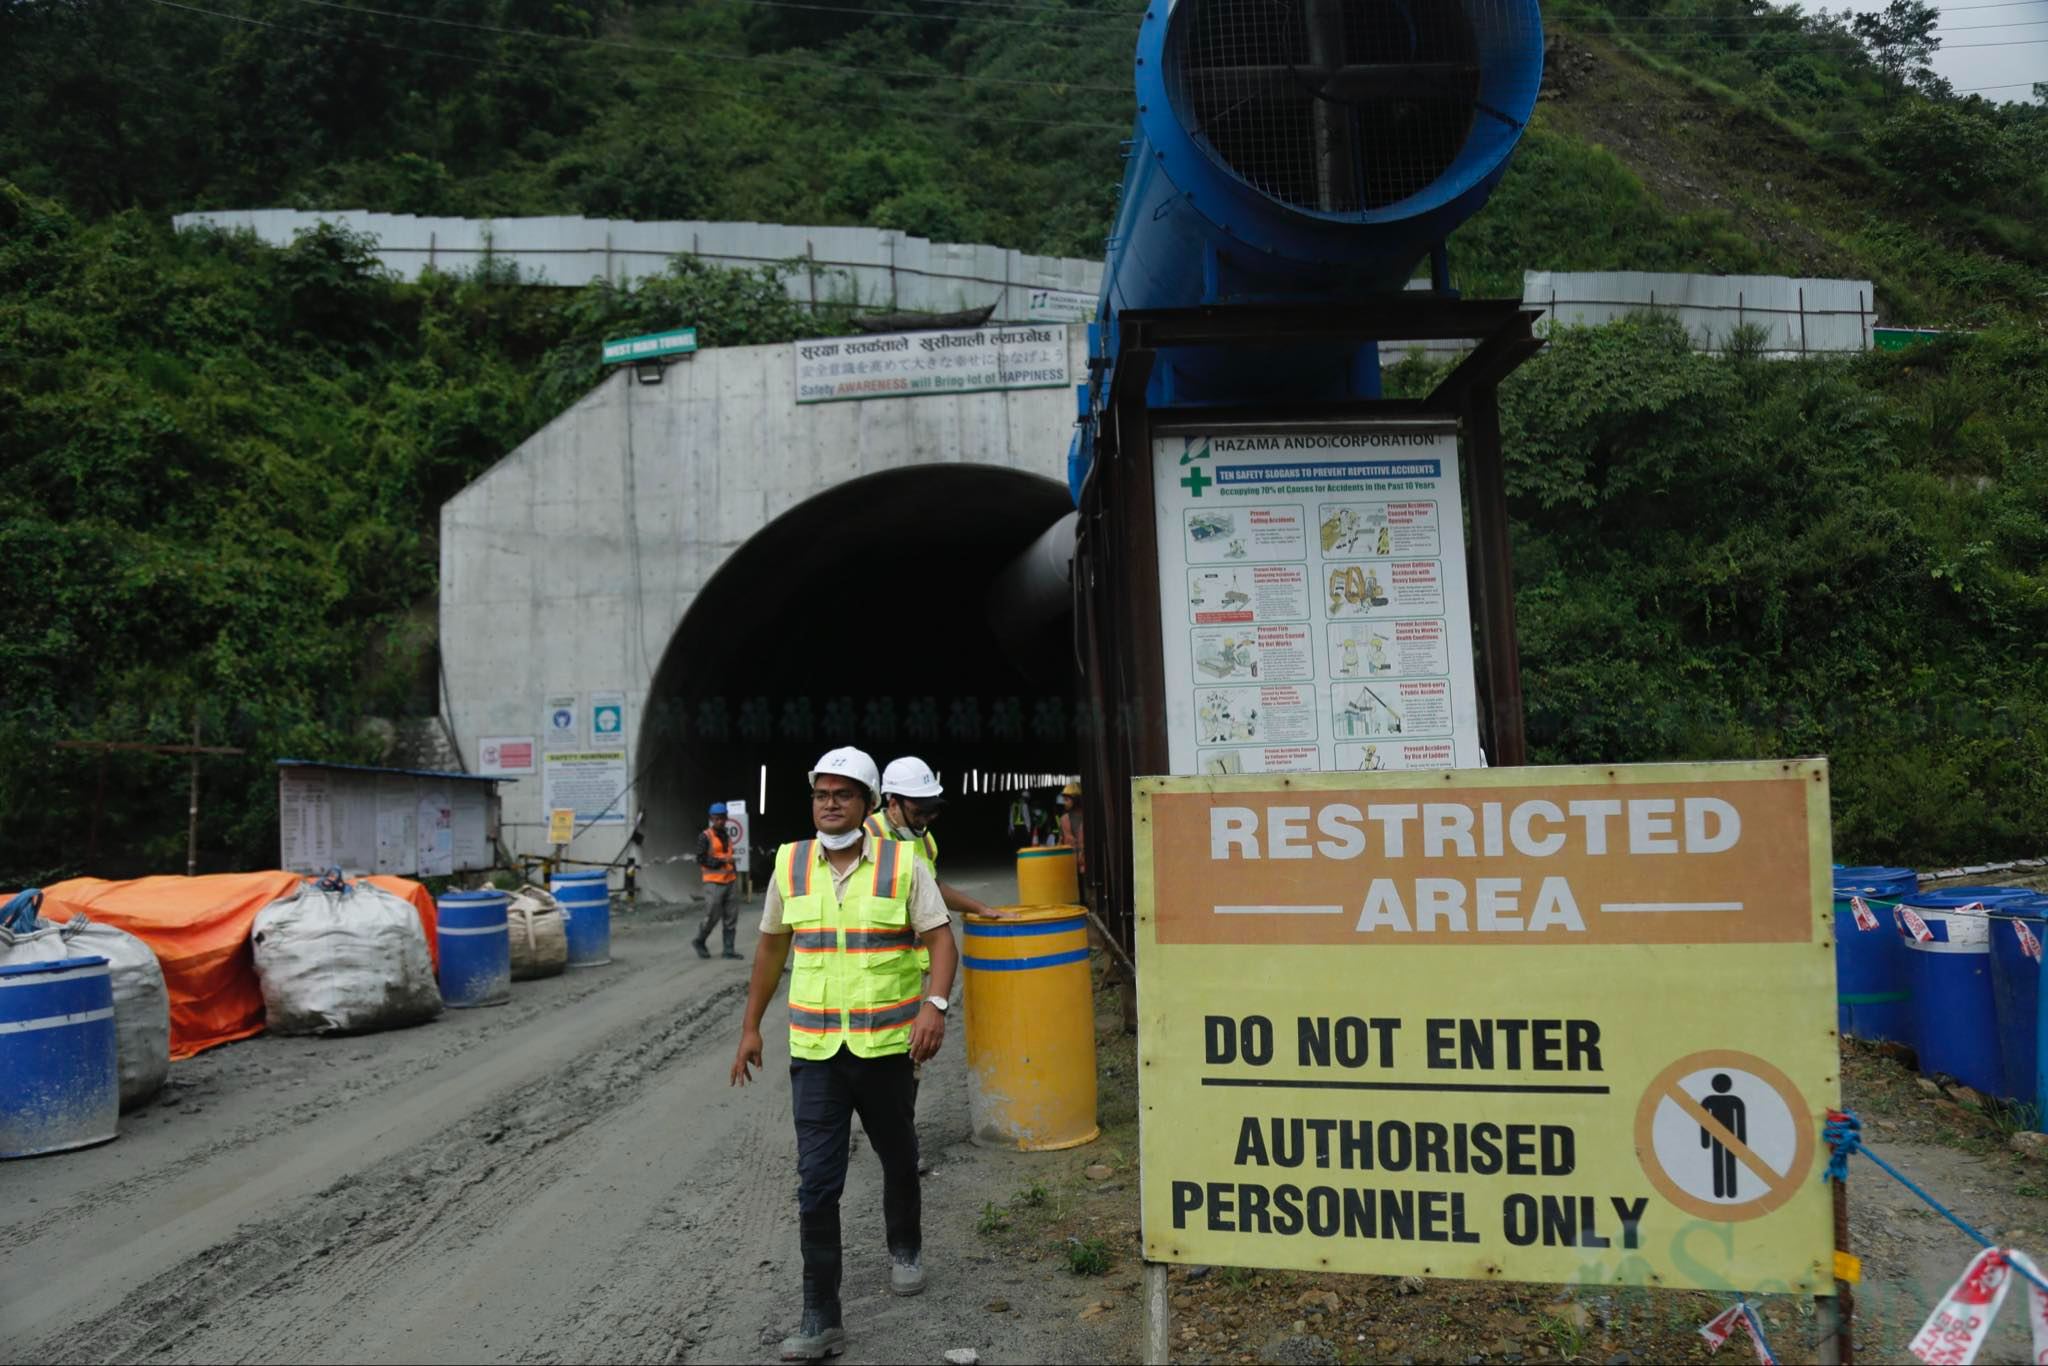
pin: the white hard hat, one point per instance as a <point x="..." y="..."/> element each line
<point x="910" y="777"/>
<point x="848" y="762"/>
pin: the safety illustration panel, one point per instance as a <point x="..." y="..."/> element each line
<point x="1330" y="560"/>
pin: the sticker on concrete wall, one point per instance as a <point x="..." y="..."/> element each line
<point x="561" y="722"/>
<point x="592" y="784"/>
<point x="503" y="755"/>
<point x="608" y="720"/>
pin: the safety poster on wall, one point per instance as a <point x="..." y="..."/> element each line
<point x="1312" y="601"/>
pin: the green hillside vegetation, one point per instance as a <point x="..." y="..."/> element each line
<point x="224" y="461"/>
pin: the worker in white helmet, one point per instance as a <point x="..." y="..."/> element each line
<point x="911" y="800"/>
<point x="855" y="908"/>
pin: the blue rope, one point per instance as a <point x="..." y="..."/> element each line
<point x="1756" y="1326"/>
<point x="1843" y="1134"/>
<point x="1844" y="1131"/>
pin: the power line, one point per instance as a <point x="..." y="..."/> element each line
<point x="710" y="53"/>
<point x="777" y="98"/>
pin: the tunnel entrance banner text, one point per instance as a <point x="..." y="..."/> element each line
<point x="1312" y="603"/>
<point x="1538" y="1024"/>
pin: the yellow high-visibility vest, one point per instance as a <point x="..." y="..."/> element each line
<point x="927" y="849"/>
<point x="855" y="978"/>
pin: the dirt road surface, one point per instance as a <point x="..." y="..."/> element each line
<point x="566" y="1178"/>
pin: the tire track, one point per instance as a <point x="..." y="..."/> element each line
<point x="335" y="1248"/>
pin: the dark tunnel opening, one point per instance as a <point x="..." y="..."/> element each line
<point x="874" y="614"/>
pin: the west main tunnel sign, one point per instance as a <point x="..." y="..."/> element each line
<point x="1568" y="1024"/>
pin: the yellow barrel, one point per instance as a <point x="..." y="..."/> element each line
<point x="1047" y="877"/>
<point x="1030" y="1029"/>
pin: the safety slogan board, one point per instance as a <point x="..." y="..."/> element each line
<point x="1541" y="1024"/>
<point x="1313" y="611"/>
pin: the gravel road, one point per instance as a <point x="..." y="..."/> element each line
<point x="565" y="1178"/>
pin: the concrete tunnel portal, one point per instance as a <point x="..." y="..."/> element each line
<point x="910" y="611"/>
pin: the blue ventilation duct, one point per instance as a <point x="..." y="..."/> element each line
<point x="1307" y="151"/>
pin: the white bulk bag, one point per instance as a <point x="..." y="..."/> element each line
<point x="540" y="934"/>
<point x="343" y="960"/>
<point x="142" y="1007"/>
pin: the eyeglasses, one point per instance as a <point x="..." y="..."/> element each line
<point x="833" y="796"/>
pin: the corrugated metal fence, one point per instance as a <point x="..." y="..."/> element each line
<point x="845" y="268"/>
<point x="1797" y="317"/>
<point x="878" y="268"/>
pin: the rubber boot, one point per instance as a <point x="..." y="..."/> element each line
<point x="698" y="945"/>
<point x="730" y="931"/>
<point x="821" y="1334"/>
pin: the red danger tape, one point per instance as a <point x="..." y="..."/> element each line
<point x="1955" y="1332"/>
<point x="2037" y="1303"/>
<point x="1913" y="924"/>
<point x="2029" y="945"/>
<point x="1861" y="909"/>
<point x="1717" y="1330"/>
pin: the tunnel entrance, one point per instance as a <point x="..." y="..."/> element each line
<point x="875" y="615"/>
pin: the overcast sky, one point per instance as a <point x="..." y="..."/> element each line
<point x="1981" y="44"/>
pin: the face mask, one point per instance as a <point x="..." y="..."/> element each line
<point x="837" y="842"/>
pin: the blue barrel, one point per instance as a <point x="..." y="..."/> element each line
<point x="586" y="902"/>
<point x="476" y="948"/>
<point x="2016" y="995"/>
<point x="1954" y="1018"/>
<point x="60" y="1078"/>
<point x="1871" y="965"/>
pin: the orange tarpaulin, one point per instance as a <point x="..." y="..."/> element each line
<point x="199" y="930"/>
<point x="422" y="901"/>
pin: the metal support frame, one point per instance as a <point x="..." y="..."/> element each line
<point x="1116" y="562"/>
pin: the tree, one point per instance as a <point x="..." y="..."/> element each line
<point x="1901" y="40"/>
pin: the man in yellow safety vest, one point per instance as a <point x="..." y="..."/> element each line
<point x="855" y="908"/>
<point x="911" y="799"/>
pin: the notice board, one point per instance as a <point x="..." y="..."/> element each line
<point x="1541" y="1024"/>
<point x="1312" y="596"/>
<point x="383" y="821"/>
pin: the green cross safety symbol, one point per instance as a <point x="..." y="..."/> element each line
<point x="1195" y="481"/>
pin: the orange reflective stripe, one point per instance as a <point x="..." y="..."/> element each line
<point x="875" y="827"/>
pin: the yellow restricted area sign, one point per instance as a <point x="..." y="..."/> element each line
<point x="1541" y="1024"/>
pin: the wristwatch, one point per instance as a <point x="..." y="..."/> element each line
<point x="940" y="1003"/>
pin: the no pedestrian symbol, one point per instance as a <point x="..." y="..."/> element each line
<point x="1724" y="1136"/>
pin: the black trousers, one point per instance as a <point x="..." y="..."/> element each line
<point x="825" y="1096"/>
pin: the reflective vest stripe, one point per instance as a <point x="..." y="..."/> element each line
<point x="886" y="855"/>
<point x="815" y="941"/>
<point x="813" y="1021"/>
<point x="880" y="941"/>
<point x="800" y="859"/>
<point x="884" y="1017"/>
<point x="877" y="827"/>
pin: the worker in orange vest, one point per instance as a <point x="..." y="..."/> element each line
<point x="721" y="900"/>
